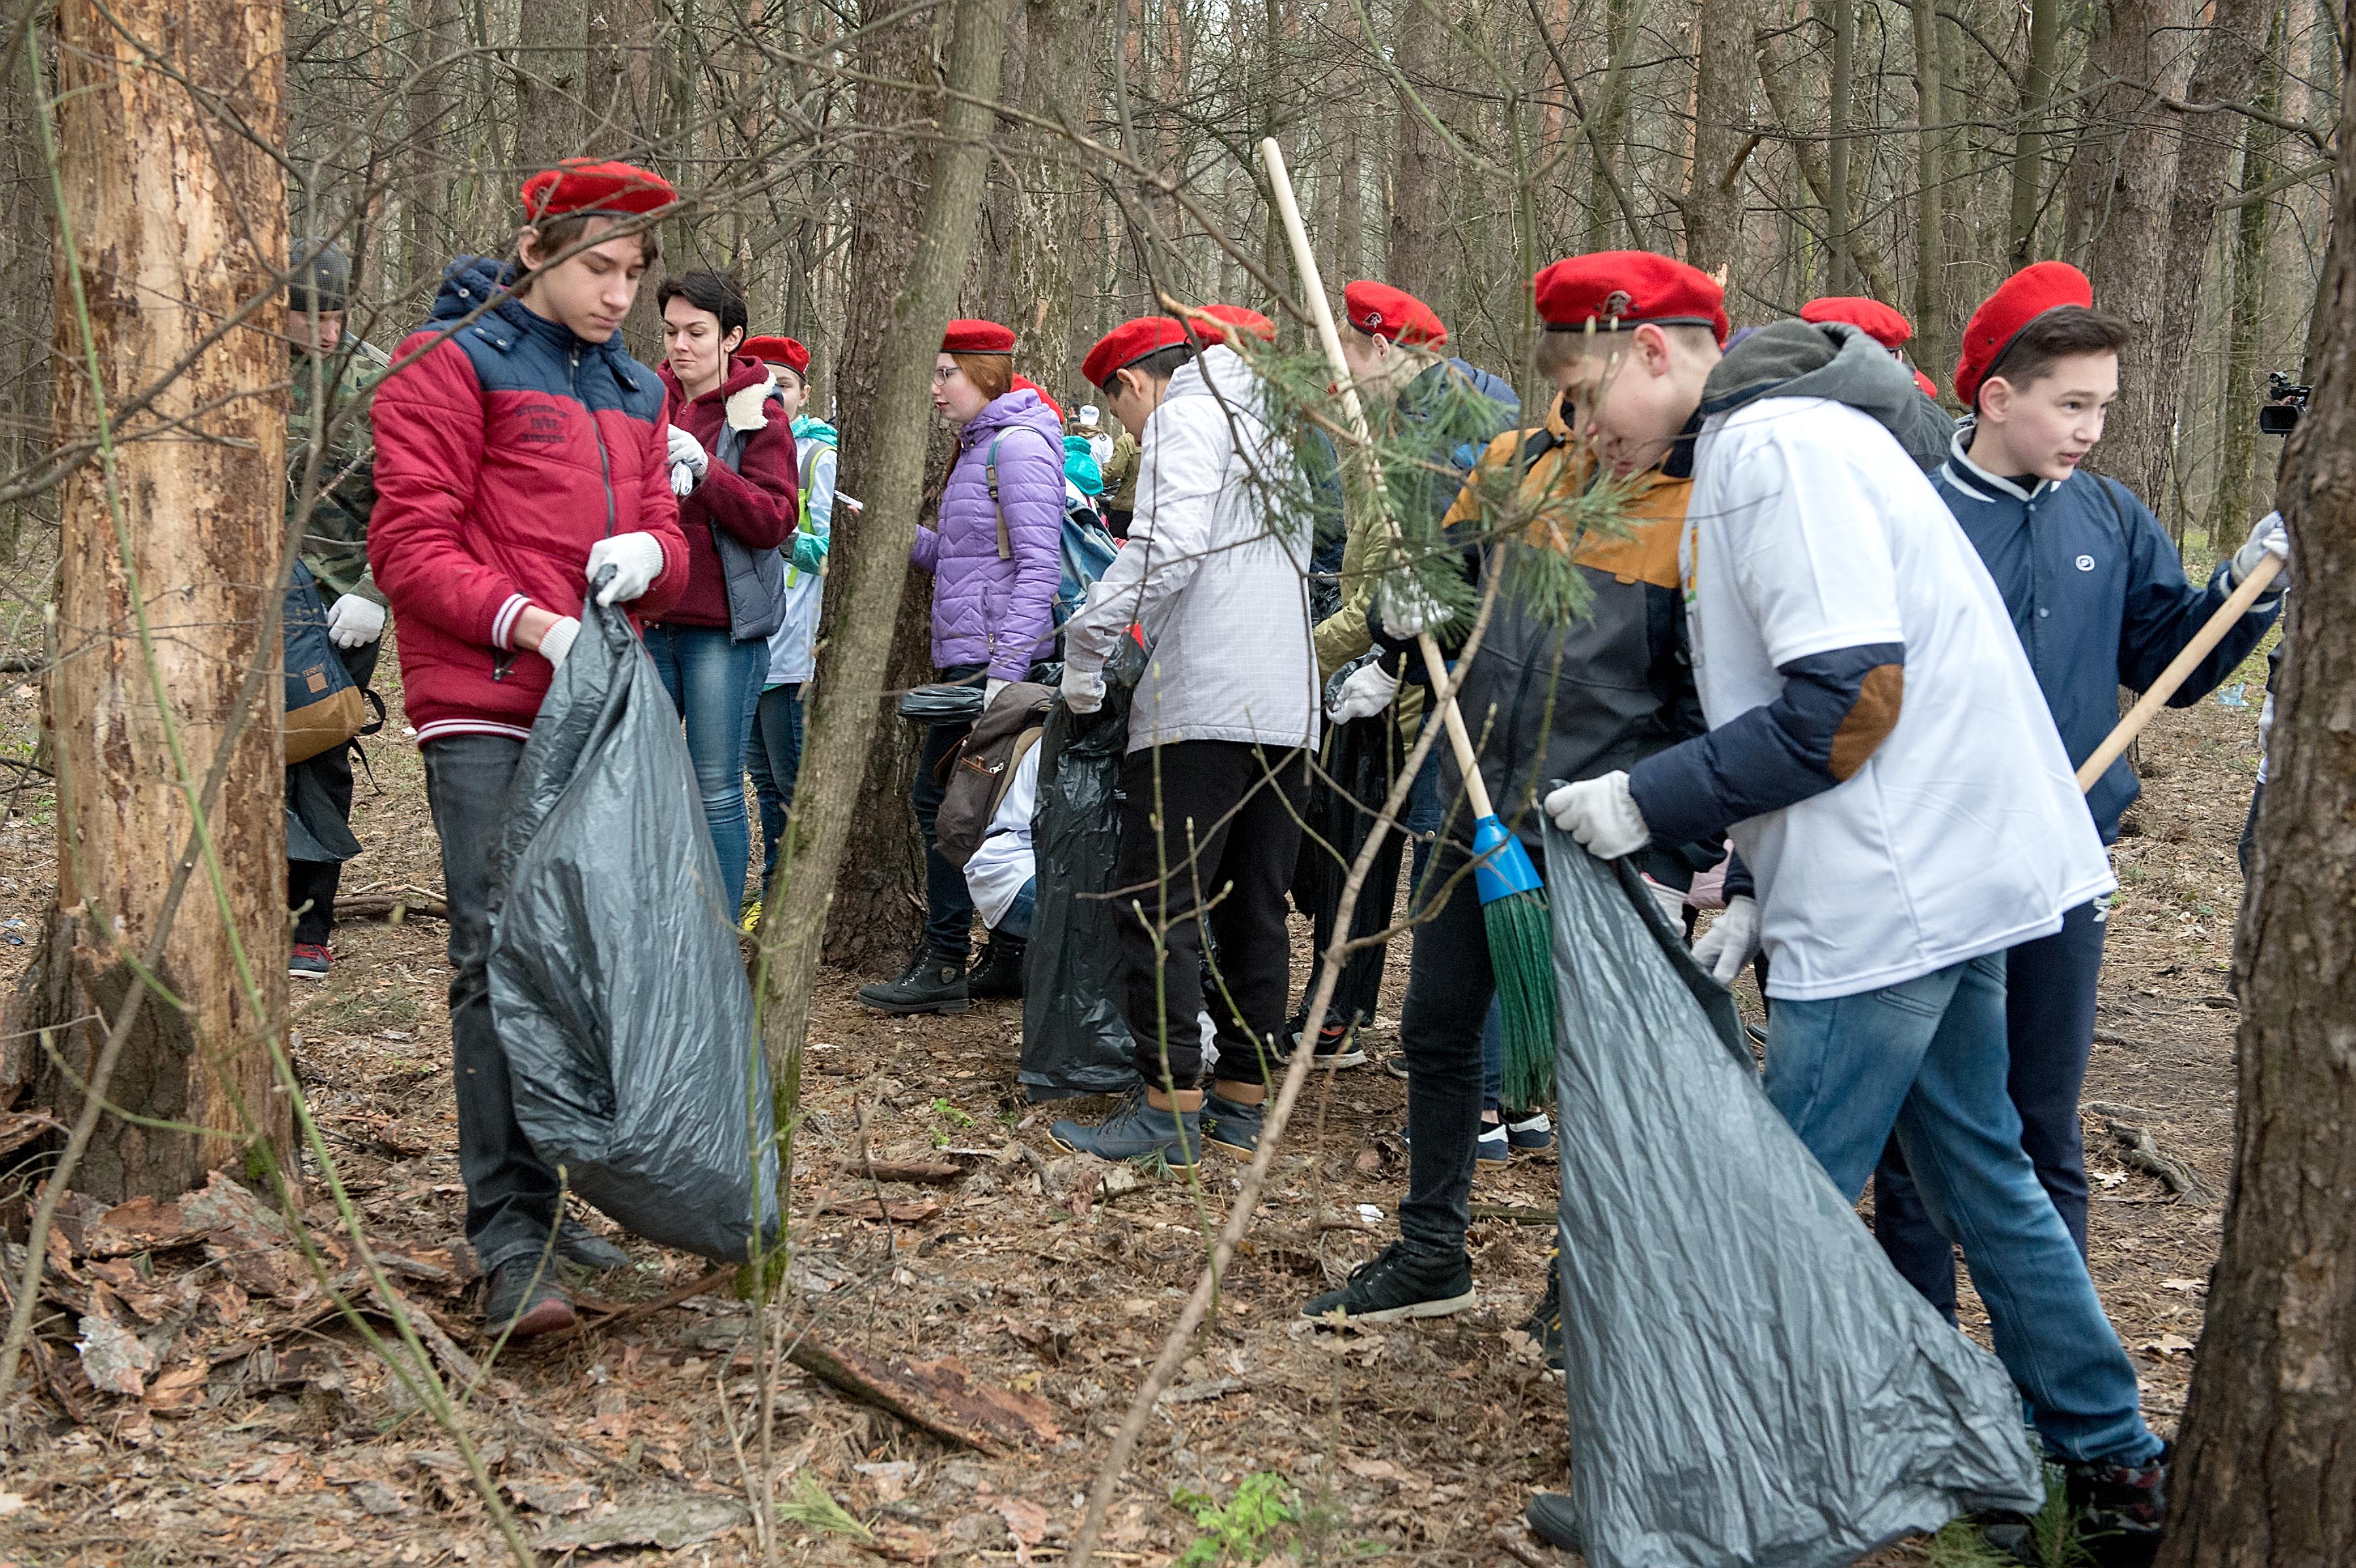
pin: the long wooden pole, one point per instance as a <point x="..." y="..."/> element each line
<point x="1312" y="283"/>
<point x="2208" y="637"/>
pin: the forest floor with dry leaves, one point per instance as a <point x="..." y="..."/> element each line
<point x="264" y="1431"/>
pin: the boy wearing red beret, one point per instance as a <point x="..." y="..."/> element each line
<point x="2097" y="595"/>
<point x="1213" y="576"/>
<point x="1881" y="756"/>
<point x="1877" y="321"/>
<point x="520" y="452"/>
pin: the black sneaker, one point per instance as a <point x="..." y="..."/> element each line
<point x="2117" y="1509"/>
<point x="931" y="984"/>
<point x="1406" y="1281"/>
<point x="1552" y="1521"/>
<point x="1395" y="1065"/>
<point x="583" y="1248"/>
<point x="1545" y="1323"/>
<point x="1230" y="1124"/>
<point x="523" y="1299"/>
<point x="998" y="975"/>
<point x="1337" y="1045"/>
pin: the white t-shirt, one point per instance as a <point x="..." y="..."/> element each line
<point x="1810" y="530"/>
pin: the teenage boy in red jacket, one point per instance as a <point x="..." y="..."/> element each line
<point x="520" y="451"/>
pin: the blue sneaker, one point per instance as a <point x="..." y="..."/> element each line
<point x="1231" y="1125"/>
<point x="1529" y="1132"/>
<point x="1492" y="1146"/>
<point x="1137" y="1130"/>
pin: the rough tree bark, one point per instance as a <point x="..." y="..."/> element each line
<point x="2265" y="1474"/>
<point x="1930" y="345"/>
<point x="2253" y="236"/>
<point x="920" y="245"/>
<point x="174" y="224"/>
<point x="1712" y="206"/>
<point x="552" y="82"/>
<point x="1840" y="228"/>
<point x="2227" y="69"/>
<point x="1418" y="248"/>
<point x="2036" y="88"/>
<point x="2125" y="174"/>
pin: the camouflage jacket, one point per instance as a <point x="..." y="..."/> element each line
<point x="335" y="536"/>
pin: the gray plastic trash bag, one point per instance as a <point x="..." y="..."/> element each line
<point x="1075" y="1041"/>
<point x="1750" y="1383"/>
<point x="617" y="982"/>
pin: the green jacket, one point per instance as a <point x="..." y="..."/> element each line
<point x="335" y="536"/>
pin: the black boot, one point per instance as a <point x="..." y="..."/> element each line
<point x="998" y="975"/>
<point x="931" y="984"/>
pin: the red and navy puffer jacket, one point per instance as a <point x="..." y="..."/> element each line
<point x="504" y="448"/>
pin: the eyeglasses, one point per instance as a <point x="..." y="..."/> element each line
<point x="943" y="373"/>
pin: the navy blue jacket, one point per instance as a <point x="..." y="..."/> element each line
<point x="2099" y="597"/>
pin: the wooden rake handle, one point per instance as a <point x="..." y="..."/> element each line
<point x="2232" y="610"/>
<point x="1476" y="792"/>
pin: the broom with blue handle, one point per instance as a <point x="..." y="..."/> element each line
<point x="1513" y="896"/>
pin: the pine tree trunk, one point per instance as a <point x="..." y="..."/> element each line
<point x="2230" y="503"/>
<point x="1839" y="226"/>
<point x="2029" y="136"/>
<point x="174" y="224"/>
<point x="1931" y="339"/>
<point x="1713" y="200"/>
<point x="1417" y="260"/>
<point x="2228" y="69"/>
<point x="552" y="82"/>
<point x="2266" y="1476"/>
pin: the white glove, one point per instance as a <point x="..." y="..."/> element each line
<point x="1601" y="815"/>
<point x="1083" y="688"/>
<point x="352" y="621"/>
<point x="990" y="691"/>
<point x="2268" y="536"/>
<point x="1731" y="941"/>
<point x="637" y="559"/>
<point x="682" y="480"/>
<point x="687" y="453"/>
<point x="1407" y="610"/>
<point x="1672" y="902"/>
<point x="1365" y="693"/>
<point x="557" y="641"/>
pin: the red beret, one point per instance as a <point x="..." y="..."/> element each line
<point x="785" y="351"/>
<point x="2019" y="300"/>
<point x="966" y="337"/>
<point x="1930" y="387"/>
<point x="1617" y="289"/>
<point x="1235" y="315"/>
<point x="1880" y="323"/>
<point x="1024" y="384"/>
<point x="1127" y="343"/>
<point x="1392" y="312"/>
<point x="577" y="186"/>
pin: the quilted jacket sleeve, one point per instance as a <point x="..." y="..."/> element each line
<point x="1030" y="497"/>
<point x="428" y="422"/>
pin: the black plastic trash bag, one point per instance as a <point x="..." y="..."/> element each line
<point x="1359" y="762"/>
<point x="1075" y="1041"/>
<point x="616" y="982"/>
<point x="1750" y="1383"/>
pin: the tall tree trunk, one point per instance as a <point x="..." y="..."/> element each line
<point x="1839" y="226"/>
<point x="2132" y="166"/>
<point x="1931" y="339"/>
<point x="552" y="82"/>
<point x="1784" y="96"/>
<point x="2265" y="1474"/>
<point x="877" y="873"/>
<point x="172" y="224"/>
<point x="2029" y="132"/>
<point x="2253" y="238"/>
<point x="2227" y="71"/>
<point x="1417" y="260"/>
<point x="909" y="252"/>
<point x="26" y="353"/>
<point x="427" y="238"/>
<point x="1712" y="206"/>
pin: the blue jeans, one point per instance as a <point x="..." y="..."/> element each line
<point x="1928" y="1058"/>
<point x="775" y="761"/>
<point x="1016" y="921"/>
<point x="714" y="681"/>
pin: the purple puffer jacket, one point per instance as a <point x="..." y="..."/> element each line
<point x="986" y="609"/>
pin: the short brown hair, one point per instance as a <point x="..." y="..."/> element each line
<point x="2057" y="334"/>
<point x="993" y="375"/>
<point x="558" y="235"/>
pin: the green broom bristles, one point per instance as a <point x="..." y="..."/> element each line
<point x="1521" y="956"/>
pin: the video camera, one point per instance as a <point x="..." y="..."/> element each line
<point x="2285" y="400"/>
